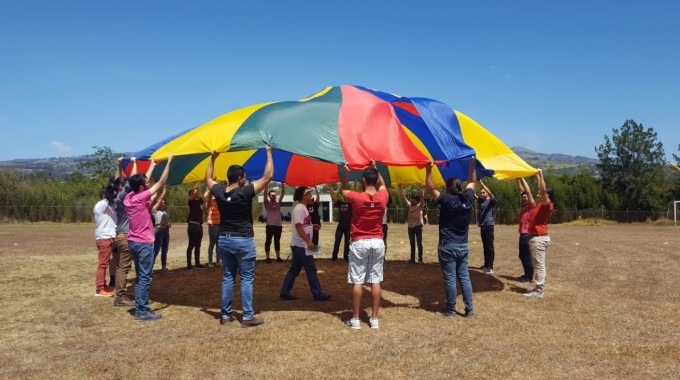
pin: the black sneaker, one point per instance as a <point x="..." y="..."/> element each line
<point x="189" y="269"/>
<point x="323" y="297"/>
<point x="148" y="316"/>
<point x="252" y="322"/>
<point x="412" y="261"/>
<point x="469" y="314"/>
<point x="287" y="297"/>
<point x="268" y="260"/>
<point x="279" y="260"/>
<point x="200" y="266"/>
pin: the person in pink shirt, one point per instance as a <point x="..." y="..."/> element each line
<point x="141" y="238"/>
<point x="367" y="250"/>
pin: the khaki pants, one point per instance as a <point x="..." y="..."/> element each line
<point x="539" y="246"/>
<point x="124" y="264"/>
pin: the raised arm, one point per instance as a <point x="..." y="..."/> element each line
<point x="209" y="181"/>
<point x="149" y="172"/>
<point x="318" y="197"/>
<point x="401" y="194"/>
<point x="542" y="188"/>
<point x="334" y="197"/>
<point x="472" y="175"/>
<point x="429" y="183"/>
<point x="158" y="200"/>
<point x="422" y="196"/>
<point x="491" y="196"/>
<point x="262" y="183"/>
<point x="283" y="192"/>
<point x="119" y="168"/>
<point x="133" y="171"/>
<point x="164" y="177"/>
<point x="345" y="180"/>
<point x="524" y="186"/>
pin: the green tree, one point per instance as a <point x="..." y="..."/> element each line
<point x="632" y="165"/>
<point x="103" y="163"/>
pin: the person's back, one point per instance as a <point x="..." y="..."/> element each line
<point x="236" y="244"/>
<point x="454" y="217"/>
<point x="367" y="251"/>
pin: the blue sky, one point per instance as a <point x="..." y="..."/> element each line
<point x="551" y="76"/>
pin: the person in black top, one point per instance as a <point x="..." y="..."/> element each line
<point x="236" y="244"/>
<point x="454" y="222"/>
<point x="313" y="209"/>
<point x="195" y="228"/>
<point x="344" y="223"/>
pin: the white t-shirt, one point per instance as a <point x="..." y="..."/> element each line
<point x="300" y="216"/>
<point x="106" y="219"/>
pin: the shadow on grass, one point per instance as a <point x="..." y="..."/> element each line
<point x="419" y="285"/>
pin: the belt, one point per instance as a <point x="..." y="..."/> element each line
<point x="122" y="235"/>
<point x="533" y="235"/>
<point x="232" y="234"/>
<point x="192" y="222"/>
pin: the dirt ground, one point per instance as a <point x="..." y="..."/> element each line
<point x="612" y="310"/>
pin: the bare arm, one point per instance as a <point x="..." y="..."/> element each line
<point x="119" y="168"/>
<point x="134" y="166"/>
<point x="381" y="181"/>
<point x="164" y="177"/>
<point x="283" y="192"/>
<point x="334" y="197"/>
<point x="345" y="180"/>
<point x="527" y="190"/>
<point x="158" y="200"/>
<point x="301" y="231"/>
<point x="401" y="193"/>
<point x="491" y="196"/>
<point x="472" y="175"/>
<point x="422" y="197"/>
<point x="429" y="183"/>
<point x="262" y="183"/>
<point x="209" y="181"/>
<point x="149" y="172"/>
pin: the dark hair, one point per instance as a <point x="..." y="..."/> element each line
<point x="523" y="193"/>
<point x="270" y="192"/>
<point x="136" y="181"/>
<point x="299" y="193"/>
<point x="108" y="192"/>
<point x="234" y="173"/>
<point x="371" y="176"/>
<point x="551" y="194"/>
<point x="416" y="197"/>
<point x="454" y="186"/>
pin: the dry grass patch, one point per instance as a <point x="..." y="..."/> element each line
<point x="611" y="310"/>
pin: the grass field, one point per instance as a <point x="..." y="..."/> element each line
<point x="611" y="311"/>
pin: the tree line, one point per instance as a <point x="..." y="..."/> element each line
<point x="633" y="183"/>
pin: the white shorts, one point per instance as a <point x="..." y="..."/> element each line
<point x="366" y="261"/>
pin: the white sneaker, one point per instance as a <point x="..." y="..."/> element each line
<point x="534" y="294"/>
<point x="353" y="323"/>
<point x="488" y="270"/>
<point x="374" y="323"/>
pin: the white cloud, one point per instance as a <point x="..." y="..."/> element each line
<point x="59" y="146"/>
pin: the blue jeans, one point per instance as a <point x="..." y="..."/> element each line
<point x="142" y="254"/>
<point x="161" y="243"/>
<point x="300" y="260"/>
<point x="237" y="254"/>
<point x="453" y="259"/>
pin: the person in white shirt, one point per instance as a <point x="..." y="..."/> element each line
<point x="105" y="237"/>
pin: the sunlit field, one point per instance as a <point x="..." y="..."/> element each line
<point x="611" y="311"/>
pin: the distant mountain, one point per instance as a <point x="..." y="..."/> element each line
<point x="57" y="167"/>
<point x="62" y="167"/>
<point x="557" y="163"/>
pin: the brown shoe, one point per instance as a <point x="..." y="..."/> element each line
<point x="252" y="322"/>
<point x="123" y="301"/>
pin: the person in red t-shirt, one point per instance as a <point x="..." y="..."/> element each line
<point x="528" y="205"/>
<point x="540" y="240"/>
<point x="367" y="250"/>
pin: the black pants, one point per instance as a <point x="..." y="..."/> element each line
<point x="525" y="256"/>
<point x="195" y="232"/>
<point x="315" y="237"/>
<point x="340" y="232"/>
<point x="214" y="235"/>
<point x="273" y="232"/>
<point x="415" y="234"/>
<point x="487" y="242"/>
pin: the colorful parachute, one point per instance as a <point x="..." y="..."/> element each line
<point x="315" y="137"/>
